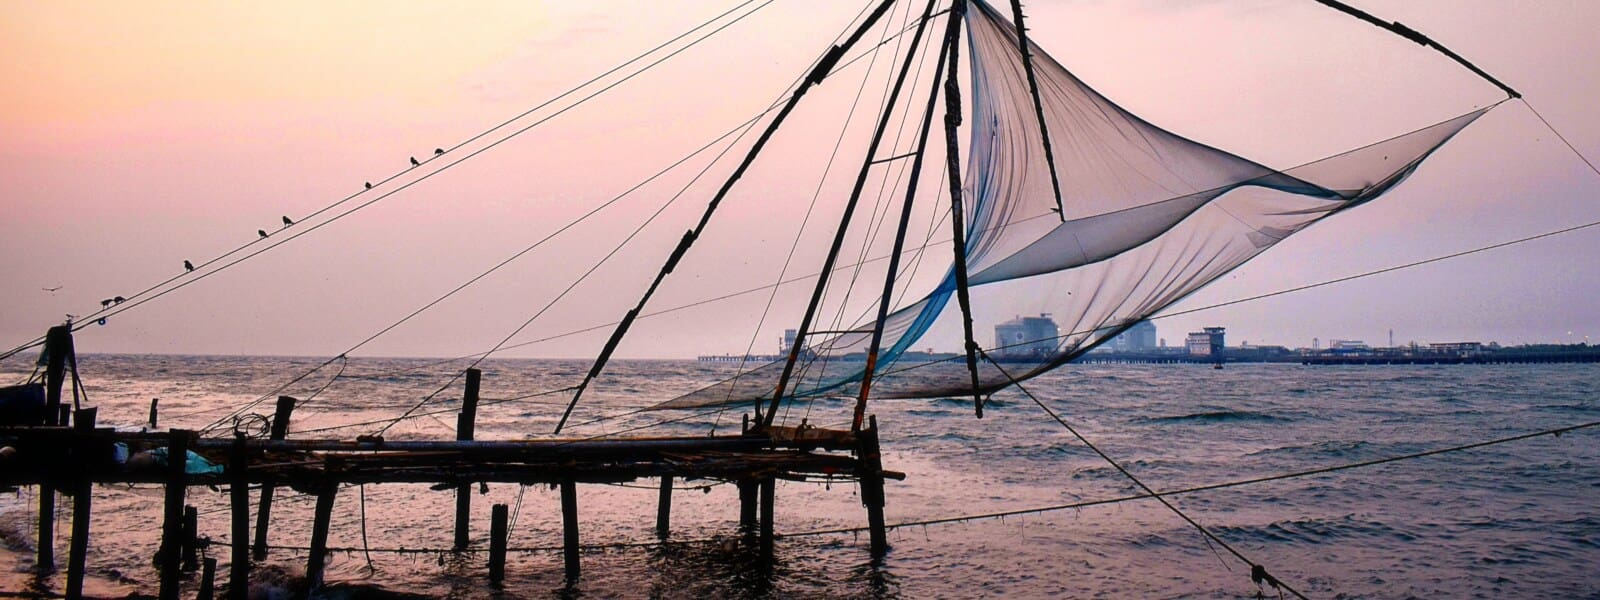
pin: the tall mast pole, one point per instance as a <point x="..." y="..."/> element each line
<point x="817" y="74"/>
<point x="844" y="224"/>
<point x="1038" y="107"/>
<point x="900" y="233"/>
<point x="952" y="120"/>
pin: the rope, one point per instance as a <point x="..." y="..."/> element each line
<point x="1563" y="138"/>
<point x="1258" y="573"/>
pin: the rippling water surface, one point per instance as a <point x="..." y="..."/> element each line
<point x="1515" y="520"/>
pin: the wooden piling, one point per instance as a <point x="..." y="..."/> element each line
<point x="769" y="487"/>
<point x="664" y="508"/>
<point x="569" y="527"/>
<point x="465" y="425"/>
<point x="280" y="430"/>
<point x="499" y="526"/>
<point x="208" y="580"/>
<point x="78" y="547"/>
<point x="747" y="505"/>
<point x="191" y="539"/>
<point x="167" y="558"/>
<point x="871" y="477"/>
<point x="154" y="402"/>
<point x="77" y="552"/>
<point x="319" y="534"/>
<point x="239" y="492"/>
<point x="47" y="528"/>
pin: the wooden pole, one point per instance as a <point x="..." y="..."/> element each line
<point x="747" y="505"/>
<point x="154" y="402"/>
<point x="569" y="527"/>
<point x="465" y="425"/>
<point x="239" y="491"/>
<point x="172" y="519"/>
<point x="319" y="534"/>
<point x="280" y="430"/>
<point x="208" y="580"/>
<point x="871" y="476"/>
<point x="664" y="508"/>
<point x="78" y="550"/>
<point x="47" y="528"/>
<point x="768" y="496"/>
<point x="58" y="342"/>
<point x="191" y="536"/>
<point x="499" y="526"/>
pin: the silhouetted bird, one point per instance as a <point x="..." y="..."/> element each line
<point x="414" y="161"/>
<point x="51" y="289"/>
<point x="369" y="185"/>
<point x="262" y="233"/>
<point x="118" y="300"/>
<point x="105" y="303"/>
<point x="188" y="266"/>
<point x="438" y="151"/>
<point x="287" y="221"/>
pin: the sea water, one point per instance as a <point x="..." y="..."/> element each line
<point x="1516" y="520"/>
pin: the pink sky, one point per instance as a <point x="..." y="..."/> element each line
<point x="138" y="135"/>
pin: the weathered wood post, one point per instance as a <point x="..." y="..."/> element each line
<point x="664" y="508"/>
<point x="498" y="527"/>
<point x="870" y="473"/>
<point x="77" y="552"/>
<point x="280" y="430"/>
<point x="154" y="402"/>
<point x="167" y="558"/>
<point x="57" y="344"/>
<point x="569" y="527"/>
<point x="319" y="534"/>
<point x="208" y="580"/>
<point x="191" y="537"/>
<point x="747" y="505"/>
<point x="47" y="528"/>
<point x="769" y="487"/>
<point x="465" y="425"/>
<point x="239" y="492"/>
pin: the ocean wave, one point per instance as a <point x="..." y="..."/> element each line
<point x="1216" y="416"/>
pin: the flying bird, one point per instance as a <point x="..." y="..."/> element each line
<point x="287" y="221"/>
<point x="414" y="161"/>
<point x="188" y="266"/>
<point x="262" y="233"/>
<point x="438" y="151"/>
<point x="369" y="185"/>
<point x="51" y="289"/>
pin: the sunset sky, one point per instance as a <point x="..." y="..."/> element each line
<point x="138" y="135"/>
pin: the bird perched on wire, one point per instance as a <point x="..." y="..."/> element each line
<point x="188" y="266"/>
<point x="262" y="233"/>
<point x="438" y="151"/>
<point x="369" y="185"/>
<point x="287" y="221"/>
<point x="118" y="300"/>
<point x="105" y="303"/>
<point x="414" y="161"/>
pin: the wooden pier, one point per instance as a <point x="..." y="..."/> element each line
<point x="68" y="456"/>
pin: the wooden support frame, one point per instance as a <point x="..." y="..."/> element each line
<point x="168" y="557"/>
<point x="465" y="428"/>
<point x="280" y="430"/>
<point x="239" y="498"/>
